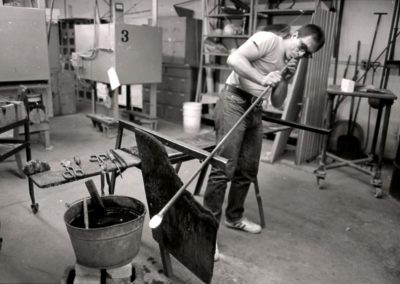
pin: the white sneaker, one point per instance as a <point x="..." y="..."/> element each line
<point x="245" y="225"/>
<point x="216" y="254"/>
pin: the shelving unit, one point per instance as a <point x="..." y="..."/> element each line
<point x="225" y="26"/>
<point x="266" y="16"/>
<point x="259" y="14"/>
<point x="67" y="47"/>
<point x="270" y="13"/>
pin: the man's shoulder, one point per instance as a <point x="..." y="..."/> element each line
<point x="266" y="39"/>
<point x="264" y="34"/>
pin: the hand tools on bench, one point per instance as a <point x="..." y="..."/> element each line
<point x="115" y="162"/>
<point x="70" y="172"/>
<point x="119" y="158"/>
<point x="100" y="159"/>
<point x="78" y="162"/>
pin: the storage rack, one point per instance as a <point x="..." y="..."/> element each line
<point x="67" y="47"/>
<point x="224" y="27"/>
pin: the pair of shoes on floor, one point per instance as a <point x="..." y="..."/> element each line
<point x="216" y="254"/>
<point x="245" y="225"/>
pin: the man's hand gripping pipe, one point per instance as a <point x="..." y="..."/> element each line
<point x="157" y="219"/>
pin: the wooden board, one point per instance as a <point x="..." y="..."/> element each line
<point x="290" y="113"/>
<point x="188" y="231"/>
<point x="308" y="144"/>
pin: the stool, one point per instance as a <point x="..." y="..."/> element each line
<point x="78" y="274"/>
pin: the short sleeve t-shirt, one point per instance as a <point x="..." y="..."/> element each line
<point x="271" y="58"/>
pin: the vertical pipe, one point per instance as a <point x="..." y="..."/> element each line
<point x="377" y="126"/>
<point x="337" y="45"/>
<point x="391" y="41"/>
<point x="85" y="213"/>
<point x="154" y="13"/>
<point x="384" y="133"/>
<point x="204" y="31"/>
<point x="373" y="42"/>
<point x="115" y="107"/>
<point x="153" y="86"/>
<point x="65" y="8"/>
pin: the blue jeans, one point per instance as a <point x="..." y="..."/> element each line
<point x="243" y="148"/>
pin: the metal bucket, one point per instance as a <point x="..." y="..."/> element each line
<point x="107" y="247"/>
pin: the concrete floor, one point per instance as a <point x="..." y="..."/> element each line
<point x="341" y="234"/>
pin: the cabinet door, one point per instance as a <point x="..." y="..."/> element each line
<point x="173" y="113"/>
<point x="174" y="28"/>
<point x="176" y="99"/>
<point x="178" y="52"/>
<point x="180" y="85"/>
<point x="174" y="52"/>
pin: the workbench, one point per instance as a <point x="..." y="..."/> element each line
<point x="181" y="150"/>
<point x="371" y="165"/>
<point x="178" y="150"/>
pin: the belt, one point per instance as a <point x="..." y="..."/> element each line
<point x="241" y="93"/>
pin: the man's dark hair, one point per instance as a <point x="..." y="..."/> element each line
<point x="315" y="32"/>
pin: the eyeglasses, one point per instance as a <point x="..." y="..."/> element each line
<point x="303" y="47"/>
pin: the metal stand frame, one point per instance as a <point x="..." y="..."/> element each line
<point x="372" y="164"/>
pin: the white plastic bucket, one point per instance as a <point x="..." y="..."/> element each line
<point x="191" y="117"/>
<point x="347" y="85"/>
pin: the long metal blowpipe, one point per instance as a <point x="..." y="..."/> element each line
<point x="156" y="220"/>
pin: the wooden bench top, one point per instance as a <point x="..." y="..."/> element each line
<point x="55" y="177"/>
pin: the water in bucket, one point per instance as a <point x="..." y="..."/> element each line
<point x="192" y="117"/>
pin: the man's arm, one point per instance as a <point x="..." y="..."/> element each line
<point x="279" y="93"/>
<point x="240" y="60"/>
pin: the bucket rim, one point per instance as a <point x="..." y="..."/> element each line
<point x="140" y="217"/>
<point x="192" y="103"/>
